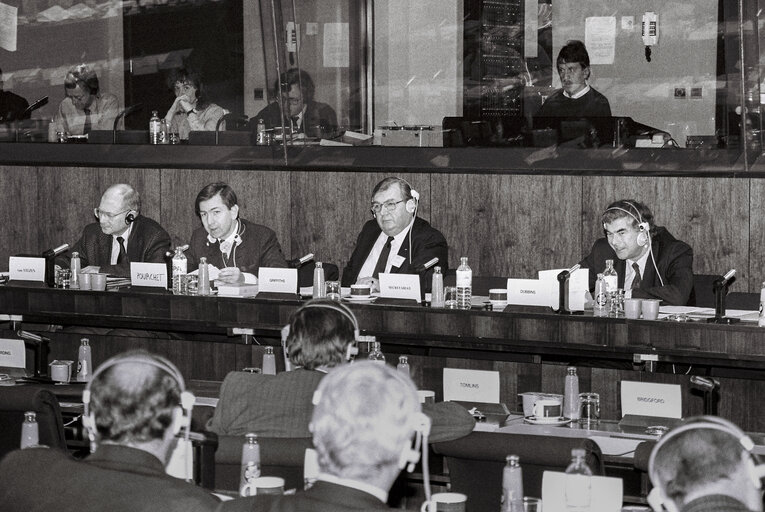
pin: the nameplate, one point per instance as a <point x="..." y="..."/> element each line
<point x="591" y="493"/>
<point x="651" y="399"/>
<point x="530" y="292"/>
<point x="471" y="386"/>
<point x="21" y="268"/>
<point x="400" y="286"/>
<point x="12" y="353"/>
<point x="277" y="280"/>
<point x="148" y="274"/>
<point x="578" y="286"/>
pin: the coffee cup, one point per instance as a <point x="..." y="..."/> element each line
<point x="529" y="399"/>
<point x="360" y="290"/>
<point x="263" y="485"/>
<point x="60" y="370"/>
<point x="445" y="502"/>
<point x="632" y="308"/>
<point x="498" y="297"/>
<point x="98" y="282"/>
<point x="650" y="309"/>
<point x="84" y="281"/>
<point x="547" y="408"/>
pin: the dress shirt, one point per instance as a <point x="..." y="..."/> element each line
<point x="116" y="244"/>
<point x="103" y="112"/>
<point x="197" y="120"/>
<point x="579" y="94"/>
<point x="629" y="272"/>
<point x="371" y="262"/>
<point x="226" y="259"/>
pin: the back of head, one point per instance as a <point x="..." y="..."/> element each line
<point x="133" y="399"/>
<point x="320" y="333"/>
<point x="83" y="76"/>
<point x="392" y="181"/>
<point x="227" y="195"/>
<point x="363" y="419"/>
<point x="574" y="52"/>
<point x="635" y="211"/>
<point x="295" y="76"/>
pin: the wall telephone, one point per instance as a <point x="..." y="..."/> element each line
<point x="650" y="32"/>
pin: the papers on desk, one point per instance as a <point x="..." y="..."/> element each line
<point x="694" y="312"/>
<point x="595" y="493"/>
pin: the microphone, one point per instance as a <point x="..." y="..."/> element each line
<point x="183" y="248"/>
<point x="124" y="113"/>
<point x="727" y="279"/>
<point x="425" y="266"/>
<point x="299" y="262"/>
<point x="563" y="291"/>
<point x="26" y="335"/>
<point x="566" y="273"/>
<point x="52" y="253"/>
<point x="230" y="115"/>
<point x="704" y="383"/>
<point x="34" y="106"/>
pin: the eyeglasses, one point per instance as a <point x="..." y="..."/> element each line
<point x="389" y="206"/>
<point x="293" y="101"/>
<point x="100" y="213"/>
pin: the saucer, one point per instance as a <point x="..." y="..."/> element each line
<point x="547" y="421"/>
<point x="361" y="300"/>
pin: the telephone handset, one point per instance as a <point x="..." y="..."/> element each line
<point x="650" y="32"/>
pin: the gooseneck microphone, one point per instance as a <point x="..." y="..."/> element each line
<point x="124" y="113"/>
<point x="50" y="263"/>
<point x="425" y="266"/>
<point x="563" y="305"/>
<point x="727" y="279"/>
<point x="34" y="106"/>
<point x="720" y="287"/>
<point x="299" y="262"/>
<point x="52" y="253"/>
<point x="230" y="115"/>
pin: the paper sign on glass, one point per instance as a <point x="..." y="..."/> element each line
<point x="400" y="286"/>
<point x="148" y="274"/>
<point x="471" y="386"/>
<point x="591" y="493"/>
<point x="277" y="280"/>
<point x="651" y="399"/>
<point x="12" y="353"/>
<point x="22" y="268"/>
<point x="578" y="286"/>
<point x="531" y="292"/>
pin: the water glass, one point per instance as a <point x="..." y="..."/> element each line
<point x="616" y="303"/>
<point x="589" y="408"/>
<point x="450" y="297"/>
<point x="333" y="290"/>
<point x="532" y="504"/>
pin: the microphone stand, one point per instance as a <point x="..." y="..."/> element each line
<point x="710" y="389"/>
<point x="563" y="278"/>
<point x="122" y="114"/>
<point x="31" y="108"/>
<point x="721" y="286"/>
<point x="230" y="115"/>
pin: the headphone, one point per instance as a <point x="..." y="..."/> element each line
<point x="658" y="497"/>
<point x="130" y="217"/>
<point x="352" y="349"/>
<point x="182" y="414"/>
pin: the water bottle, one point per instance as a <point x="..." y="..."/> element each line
<point x="512" y="485"/>
<point x="600" y="307"/>
<point x="269" y="362"/>
<point x="610" y="277"/>
<point x="464" y="284"/>
<point x="403" y="365"/>
<point x="75" y="265"/>
<point x="164" y="134"/>
<point x="571" y="394"/>
<point x="203" y="287"/>
<point x="250" y="460"/>
<point x="30" y="434"/>
<point x="319" y="289"/>
<point x="578" y="482"/>
<point x="761" y="321"/>
<point x="154" y="128"/>
<point x="180" y="268"/>
<point x="84" y="361"/>
<point x="260" y="130"/>
<point x="52" y="135"/>
<point x="376" y="354"/>
<point x="437" y="289"/>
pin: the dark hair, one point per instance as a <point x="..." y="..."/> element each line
<point x="83" y="76"/>
<point x="192" y="77"/>
<point x="227" y="195"/>
<point x="134" y="401"/>
<point x="404" y="186"/>
<point x="295" y="76"/>
<point x="320" y="334"/>
<point x="574" y="51"/>
<point x="631" y="209"/>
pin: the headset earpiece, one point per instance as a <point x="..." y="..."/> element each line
<point x="130" y="217"/>
<point x="410" y="455"/>
<point x="411" y="206"/>
<point x="642" y="238"/>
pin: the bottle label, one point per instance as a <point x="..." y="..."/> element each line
<point x="180" y="267"/>
<point x="464" y="278"/>
<point x="612" y="283"/>
<point x="601" y="300"/>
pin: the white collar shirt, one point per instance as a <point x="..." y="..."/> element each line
<point x="116" y="244"/>
<point x="368" y="268"/>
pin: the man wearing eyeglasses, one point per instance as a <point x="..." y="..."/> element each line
<point x="396" y="240"/>
<point x="121" y="235"/>
<point x="85" y="108"/>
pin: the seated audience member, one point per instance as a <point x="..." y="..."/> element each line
<point x="365" y="417"/>
<point x="85" y="108"/>
<point x="191" y="110"/>
<point x="236" y="246"/>
<point x="396" y="240"/>
<point x="302" y="113"/>
<point x="704" y="465"/>
<point x="12" y="106"/>
<point x="649" y="261"/>
<point x="121" y="235"/>
<point x="133" y="414"/>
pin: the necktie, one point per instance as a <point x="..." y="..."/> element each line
<point x="86" y="127"/>
<point x="382" y="261"/>
<point x="122" y="257"/>
<point x="295" y="126"/>
<point x="636" y="280"/>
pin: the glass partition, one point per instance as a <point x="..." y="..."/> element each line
<point x="432" y="73"/>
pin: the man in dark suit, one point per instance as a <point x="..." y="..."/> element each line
<point x="121" y="235"/>
<point x="234" y="245"/>
<point x="363" y="421"/>
<point x="396" y="240"/>
<point x="133" y="413"/>
<point x="649" y="261"/>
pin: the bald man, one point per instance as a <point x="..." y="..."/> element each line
<point x="121" y="235"/>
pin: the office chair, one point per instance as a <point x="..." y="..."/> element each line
<point x="14" y="402"/>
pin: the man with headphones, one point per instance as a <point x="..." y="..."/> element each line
<point x="649" y="261"/>
<point x="230" y="243"/>
<point x="134" y="407"/>
<point x="395" y="240"/>
<point x="365" y="417"/>
<point x="705" y="464"/>
<point x="120" y="235"/>
<point x="85" y="108"/>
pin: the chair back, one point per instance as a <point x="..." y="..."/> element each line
<point x="703" y="293"/>
<point x="476" y="461"/>
<point x="14" y="402"/>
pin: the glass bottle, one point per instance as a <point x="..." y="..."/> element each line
<point x="600" y="305"/>
<point x="269" y="362"/>
<point x="437" y="289"/>
<point x="403" y="365"/>
<point x="319" y="286"/>
<point x="203" y="288"/>
<point x="250" y="460"/>
<point x="571" y="394"/>
<point x="84" y="361"/>
<point x="154" y="127"/>
<point x="610" y="277"/>
<point x="578" y="475"/>
<point x="75" y="265"/>
<point x="464" y="284"/>
<point x="30" y="433"/>
<point x="261" y="139"/>
<point x="164" y="135"/>
<point x="180" y="268"/>
<point x="376" y="354"/>
<point x="512" y="485"/>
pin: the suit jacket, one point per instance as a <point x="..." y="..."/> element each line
<point x="319" y="120"/>
<point x="674" y="259"/>
<point x="148" y="242"/>
<point x="259" y="248"/>
<point x="427" y="243"/>
<point x="715" y="503"/>
<point x="114" y="478"/>
<point x="322" y="497"/>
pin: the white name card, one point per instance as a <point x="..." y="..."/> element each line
<point x="148" y="274"/>
<point x="578" y="286"/>
<point x="12" y="353"/>
<point x="471" y="386"/>
<point x="530" y="292"/>
<point x="400" y="286"/>
<point x="591" y="493"/>
<point x="650" y="399"/>
<point x="23" y="268"/>
<point x="278" y="280"/>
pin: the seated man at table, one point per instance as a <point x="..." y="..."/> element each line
<point x="234" y="245"/>
<point x="134" y="407"/>
<point x="649" y="261"/>
<point x="396" y="240"/>
<point x="365" y="417"/>
<point x="85" y="108"/>
<point x="705" y="464"/>
<point x="120" y="236"/>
